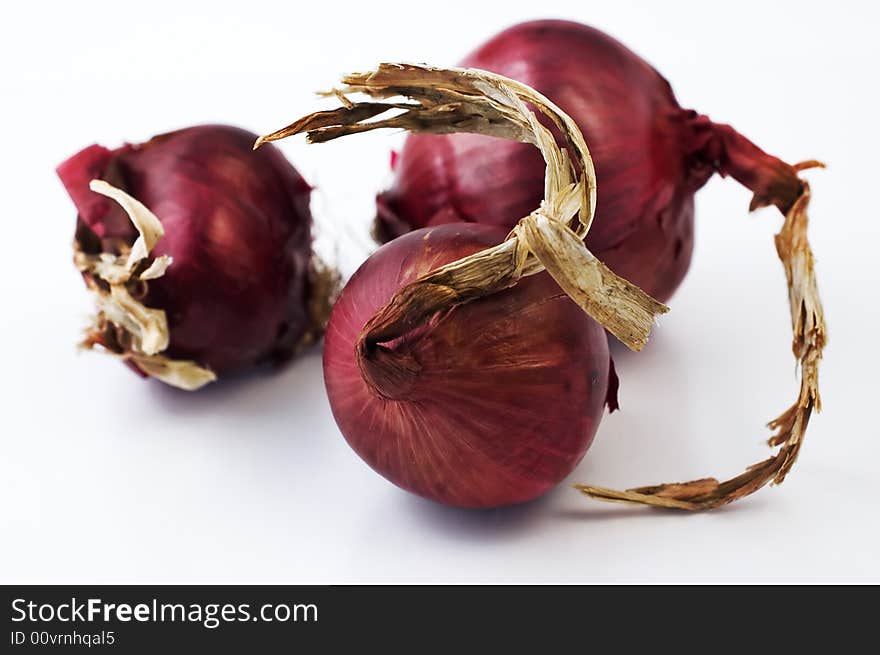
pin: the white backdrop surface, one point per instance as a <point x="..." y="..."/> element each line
<point x="106" y="478"/>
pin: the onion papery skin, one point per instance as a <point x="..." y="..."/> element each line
<point x="651" y="156"/>
<point x="237" y="225"/>
<point x="491" y="403"/>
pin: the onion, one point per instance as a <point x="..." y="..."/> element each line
<point x="197" y="251"/>
<point x="650" y="155"/>
<point x="427" y="363"/>
<point x="491" y="404"/>
<point x="454" y="366"/>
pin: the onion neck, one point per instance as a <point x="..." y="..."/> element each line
<point x="717" y="148"/>
<point x="389" y="372"/>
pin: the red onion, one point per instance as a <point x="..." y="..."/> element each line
<point x="237" y="290"/>
<point x="491" y="404"/>
<point x="650" y="155"/>
<point x="454" y="366"/>
<point x="437" y="371"/>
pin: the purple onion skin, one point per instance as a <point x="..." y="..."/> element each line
<point x="238" y="225"/>
<point x="507" y="391"/>
<point x="651" y="155"/>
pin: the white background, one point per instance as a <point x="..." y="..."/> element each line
<point x="106" y="478"/>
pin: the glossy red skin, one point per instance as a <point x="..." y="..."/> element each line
<point x="650" y="155"/>
<point x="509" y="390"/>
<point x="237" y="224"/>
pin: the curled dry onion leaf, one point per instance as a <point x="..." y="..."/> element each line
<point x="551" y="237"/>
<point x="809" y="337"/>
<point x="466" y="100"/>
<point x="145" y="328"/>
